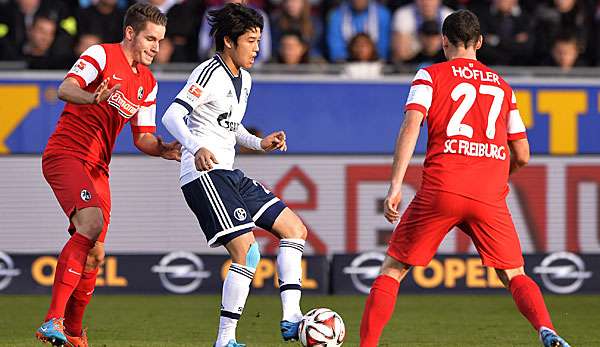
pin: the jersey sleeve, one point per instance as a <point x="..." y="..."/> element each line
<point x="145" y="119"/>
<point x="90" y="64"/>
<point x="515" y="126"/>
<point x="421" y="93"/>
<point x="196" y="91"/>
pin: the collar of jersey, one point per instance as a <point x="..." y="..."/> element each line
<point x="220" y="60"/>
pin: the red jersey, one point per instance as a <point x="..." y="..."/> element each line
<point x="89" y="132"/>
<point x="471" y="114"/>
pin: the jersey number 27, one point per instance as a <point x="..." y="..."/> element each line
<point x="455" y="125"/>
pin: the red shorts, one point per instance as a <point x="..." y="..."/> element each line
<point x="432" y="214"/>
<point x="78" y="185"/>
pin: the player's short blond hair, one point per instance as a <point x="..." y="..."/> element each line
<point x="137" y="15"/>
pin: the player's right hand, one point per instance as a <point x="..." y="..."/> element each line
<point x="205" y="159"/>
<point x="102" y="92"/>
<point x="390" y="206"/>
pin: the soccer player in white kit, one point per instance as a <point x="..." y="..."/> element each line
<point x="205" y="118"/>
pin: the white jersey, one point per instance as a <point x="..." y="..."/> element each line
<point x="216" y="102"/>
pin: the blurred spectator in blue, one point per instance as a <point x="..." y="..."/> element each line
<point x="363" y="60"/>
<point x="206" y="45"/>
<point x="405" y="25"/>
<point x="104" y="18"/>
<point x="355" y="17"/>
<point x="295" y="15"/>
<point x="44" y="49"/>
<point x="565" y="52"/>
<point x="507" y="38"/>
<point x="123" y="4"/>
<point x="430" y="40"/>
<point x="562" y="15"/>
<point x="292" y="49"/>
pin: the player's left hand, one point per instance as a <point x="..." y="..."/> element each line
<point x="169" y="150"/>
<point x="390" y="205"/>
<point x="274" y="141"/>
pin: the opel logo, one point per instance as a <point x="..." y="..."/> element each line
<point x="7" y="270"/>
<point x="562" y="272"/>
<point x="364" y="269"/>
<point x="181" y="272"/>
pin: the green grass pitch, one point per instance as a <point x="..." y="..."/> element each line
<point x="424" y="320"/>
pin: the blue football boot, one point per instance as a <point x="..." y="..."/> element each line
<point x="550" y="339"/>
<point x="53" y="332"/>
<point x="289" y="330"/>
<point x="232" y="343"/>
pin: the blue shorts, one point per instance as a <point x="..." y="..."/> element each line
<point x="229" y="204"/>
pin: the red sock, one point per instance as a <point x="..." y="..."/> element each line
<point x="529" y="300"/>
<point x="71" y="263"/>
<point x="378" y="310"/>
<point x="78" y="302"/>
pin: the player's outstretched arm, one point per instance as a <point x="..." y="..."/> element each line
<point x="156" y="147"/>
<point x="519" y="154"/>
<point x="70" y="91"/>
<point x="405" y="147"/>
<point x="274" y="141"/>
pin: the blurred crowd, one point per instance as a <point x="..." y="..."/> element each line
<point x="50" y="34"/>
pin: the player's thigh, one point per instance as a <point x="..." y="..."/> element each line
<point x="102" y="186"/>
<point x="74" y="188"/>
<point x="423" y="226"/>
<point x="494" y="235"/>
<point x="218" y="206"/>
<point x="266" y="208"/>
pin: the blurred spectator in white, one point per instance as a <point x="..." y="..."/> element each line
<point x="406" y="22"/>
<point x="104" y="18"/>
<point x="295" y="15"/>
<point x="363" y="60"/>
<point x="561" y="15"/>
<point x="356" y="17"/>
<point x="85" y="41"/>
<point x="430" y="39"/>
<point x="43" y="50"/>
<point x="293" y="50"/>
<point x="565" y="52"/>
<point x="163" y="5"/>
<point x="206" y="45"/>
<point x="506" y="30"/>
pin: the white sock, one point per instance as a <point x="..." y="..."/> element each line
<point x="289" y="268"/>
<point x="235" y="292"/>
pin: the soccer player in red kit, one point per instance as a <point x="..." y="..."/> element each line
<point x="109" y="85"/>
<point x="476" y="138"/>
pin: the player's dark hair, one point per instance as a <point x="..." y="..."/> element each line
<point x="137" y="15"/>
<point x="462" y="28"/>
<point x="233" y="20"/>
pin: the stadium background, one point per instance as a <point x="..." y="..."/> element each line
<point x="341" y="126"/>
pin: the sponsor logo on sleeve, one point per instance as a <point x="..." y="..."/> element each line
<point x="194" y="91"/>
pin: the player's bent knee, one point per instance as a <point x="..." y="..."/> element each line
<point x="506" y="275"/>
<point x="253" y="256"/>
<point x="300" y="231"/>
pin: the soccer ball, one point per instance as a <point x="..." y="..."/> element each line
<point x="322" y="327"/>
